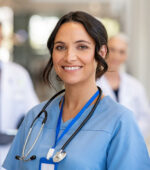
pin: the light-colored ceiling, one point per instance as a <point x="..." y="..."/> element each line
<point x="96" y="7"/>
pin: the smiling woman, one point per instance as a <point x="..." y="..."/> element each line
<point x="73" y="55"/>
<point x="83" y="128"/>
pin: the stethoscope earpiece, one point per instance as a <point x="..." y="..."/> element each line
<point x="33" y="157"/>
<point x="18" y="157"/>
<point x="21" y="158"/>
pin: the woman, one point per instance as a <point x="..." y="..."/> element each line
<point x="107" y="139"/>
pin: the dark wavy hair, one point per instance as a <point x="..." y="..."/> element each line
<point x="93" y="27"/>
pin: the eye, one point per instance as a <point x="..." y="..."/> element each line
<point x="122" y="52"/>
<point x="82" y="47"/>
<point x="112" y="50"/>
<point x="60" y="47"/>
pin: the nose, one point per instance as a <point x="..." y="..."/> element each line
<point x="70" y="55"/>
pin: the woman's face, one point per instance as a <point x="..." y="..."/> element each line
<point x="73" y="54"/>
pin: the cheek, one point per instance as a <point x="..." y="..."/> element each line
<point x="92" y="63"/>
<point x="90" y="57"/>
<point x="55" y="63"/>
<point x="123" y="59"/>
<point x="56" y="59"/>
<point x="114" y="59"/>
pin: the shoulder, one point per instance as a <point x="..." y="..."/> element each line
<point x="102" y="80"/>
<point x="16" y="67"/>
<point x="110" y="114"/>
<point x="45" y="105"/>
<point x="125" y="137"/>
<point x="131" y="81"/>
<point x="112" y="107"/>
<point x="13" y="68"/>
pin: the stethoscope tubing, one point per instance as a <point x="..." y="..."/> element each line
<point x="23" y="157"/>
<point x="27" y="139"/>
<point x="84" y="121"/>
<point x="44" y="108"/>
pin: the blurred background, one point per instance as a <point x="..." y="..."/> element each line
<point x="27" y="25"/>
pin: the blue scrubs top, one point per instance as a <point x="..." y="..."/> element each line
<point x="110" y="140"/>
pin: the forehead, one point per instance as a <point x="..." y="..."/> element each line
<point x="72" y="31"/>
<point x="117" y="42"/>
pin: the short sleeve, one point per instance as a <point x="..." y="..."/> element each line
<point x="127" y="149"/>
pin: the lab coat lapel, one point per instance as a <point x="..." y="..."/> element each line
<point x="107" y="90"/>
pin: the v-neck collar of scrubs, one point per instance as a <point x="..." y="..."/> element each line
<point x="64" y="124"/>
<point x="74" y="120"/>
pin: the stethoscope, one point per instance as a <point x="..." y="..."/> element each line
<point x="60" y="155"/>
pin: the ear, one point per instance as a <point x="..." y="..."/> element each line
<point x="103" y="51"/>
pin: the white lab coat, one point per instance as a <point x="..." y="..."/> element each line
<point x="17" y="96"/>
<point x="133" y="96"/>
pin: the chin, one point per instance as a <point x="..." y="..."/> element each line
<point x="71" y="82"/>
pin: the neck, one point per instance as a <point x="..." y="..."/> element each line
<point x="76" y="95"/>
<point x="113" y="79"/>
<point x="112" y="74"/>
<point x="75" y="98"/>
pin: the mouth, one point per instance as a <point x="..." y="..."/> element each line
<point x="71" y="68"/>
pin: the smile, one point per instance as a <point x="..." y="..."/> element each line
<point x="71" y="68"/>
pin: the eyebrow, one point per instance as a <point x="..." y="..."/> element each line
<point x="59" y="42"/>
<point x="79" y="41"/>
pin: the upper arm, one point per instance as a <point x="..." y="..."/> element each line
<point x="127" y="149"/>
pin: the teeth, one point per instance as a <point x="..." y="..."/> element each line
<point x="71" y="68"/>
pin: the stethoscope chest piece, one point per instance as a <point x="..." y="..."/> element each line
<point x="59" y="156"/>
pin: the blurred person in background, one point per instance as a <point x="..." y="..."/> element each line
<point x="123" y="87"/>
<point x="17" y="96"/>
